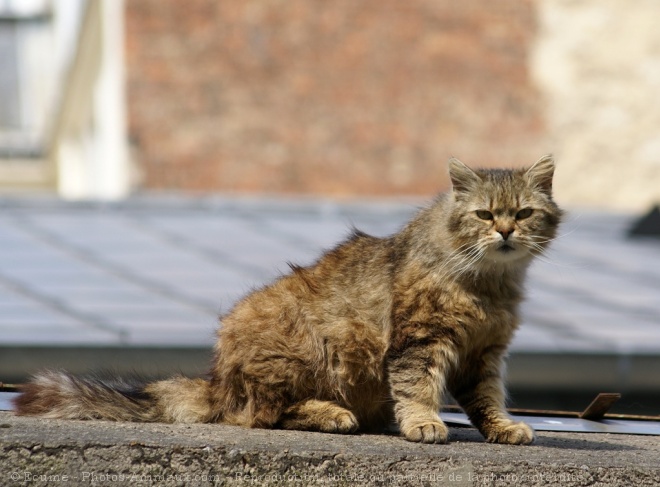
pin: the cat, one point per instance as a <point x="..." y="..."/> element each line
<point x="375" y="332"/>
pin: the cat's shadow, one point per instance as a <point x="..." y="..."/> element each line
<point x="560" y="441"/>
<point x="566" y="442"/>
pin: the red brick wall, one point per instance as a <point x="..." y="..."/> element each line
<point x="344" y="97"/>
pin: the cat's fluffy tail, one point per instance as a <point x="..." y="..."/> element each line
<point x="60" y="395"/>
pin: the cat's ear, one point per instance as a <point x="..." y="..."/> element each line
<point x="462" y="177"/>
<point x="540" y="174"/>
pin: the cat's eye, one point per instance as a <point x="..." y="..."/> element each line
<point x="524" y="213"/>
<point x="484" y="214"/>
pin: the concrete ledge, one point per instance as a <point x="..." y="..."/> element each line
<point x="48" y="452"/>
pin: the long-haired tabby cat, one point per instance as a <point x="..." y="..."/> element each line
<point x="375" y="331"/>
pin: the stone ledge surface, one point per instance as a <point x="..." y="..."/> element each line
<point x="55" y="452"/>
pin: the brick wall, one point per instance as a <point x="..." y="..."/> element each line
<point x="345" y="97"/>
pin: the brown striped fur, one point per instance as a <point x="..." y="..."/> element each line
<point x="376" y="331"/>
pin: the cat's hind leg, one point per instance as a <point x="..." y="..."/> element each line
<point x="317" y="415"/>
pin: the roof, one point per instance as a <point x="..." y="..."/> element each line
<point x="154" y="272"/>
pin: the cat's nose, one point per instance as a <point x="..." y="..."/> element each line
<point x="505" y="233"/>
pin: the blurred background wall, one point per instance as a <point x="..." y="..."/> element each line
<point x="339" y="98"/>
<point x="342" y="97"/>
<point x="597" y="66"/>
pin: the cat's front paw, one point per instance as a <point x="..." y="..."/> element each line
<point x="428" y="432"/>
<point x="511" y="434"/>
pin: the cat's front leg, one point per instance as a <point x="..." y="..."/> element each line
<point x="480" y="392"/>
<point x="416" y="375"/>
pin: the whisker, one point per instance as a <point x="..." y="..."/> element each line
<point x="468" y="264"/>
<point x="557" y="237"/>
<point x="463" y="259"/>
<point x="540" y="254"/>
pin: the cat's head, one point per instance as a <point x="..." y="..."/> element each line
<point x="502" y="216"/>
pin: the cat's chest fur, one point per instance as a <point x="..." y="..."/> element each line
<point x="487" y="319"/>
<point x="474" y="307"/>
